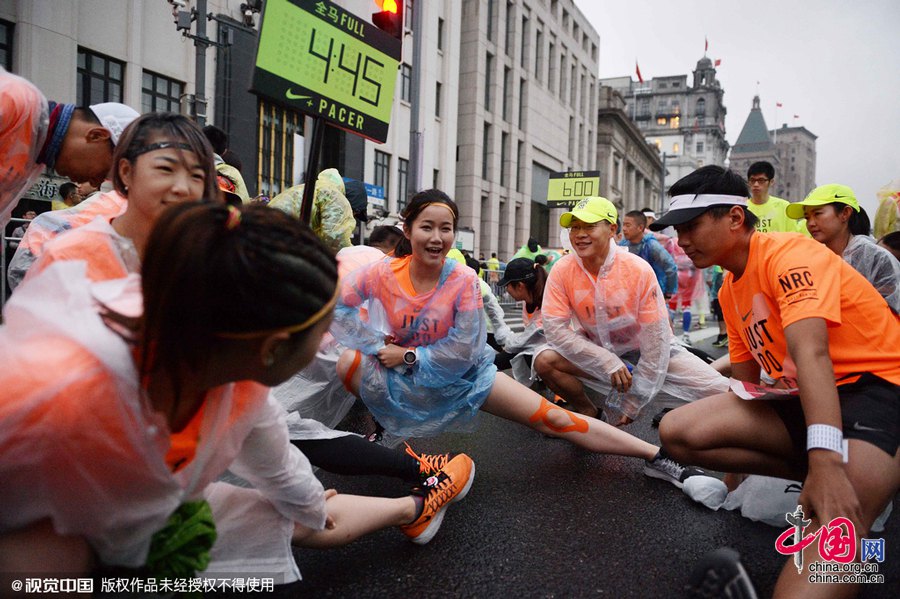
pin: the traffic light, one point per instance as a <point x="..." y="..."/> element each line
<point x="390" y="19"/>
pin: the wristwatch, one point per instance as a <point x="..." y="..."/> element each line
<point x="409" y="357"/>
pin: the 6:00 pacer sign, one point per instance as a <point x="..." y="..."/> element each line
<point x="317" y="58"/>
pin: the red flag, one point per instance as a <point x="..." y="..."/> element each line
<point x="706" y="43"/>
<point x="637" y="70"/>
<point x="718" y="62"/>
<point x="778" y="104"/>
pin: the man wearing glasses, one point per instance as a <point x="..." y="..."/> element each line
<point x="769" y="210"/>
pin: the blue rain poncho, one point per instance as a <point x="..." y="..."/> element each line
<point x="454" y="372"/>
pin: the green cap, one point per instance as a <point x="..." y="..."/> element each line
<point x="590" y="210"/>
<point x="822" y="195"/>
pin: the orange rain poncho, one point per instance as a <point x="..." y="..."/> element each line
<point x="621" y="313"/>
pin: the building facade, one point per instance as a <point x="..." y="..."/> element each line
<point x="630" y="167"/>
<point x="684" y="119"/>
<point x="755" y="144"/>
<point x="796" y="151"/>
<point x="527" y="108"/>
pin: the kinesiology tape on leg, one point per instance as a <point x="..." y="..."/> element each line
<point x="579" y="424"/>
<point x="348" y="379"/>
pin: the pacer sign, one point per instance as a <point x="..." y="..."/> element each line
<point x="317" y="58"/>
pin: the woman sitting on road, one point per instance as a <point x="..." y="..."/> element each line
<point x="420" y="362"/>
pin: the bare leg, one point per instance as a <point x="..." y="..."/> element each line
<point x="722" y="433"/>
<point x="345" y="367"/>
<point x="562" y="377"/>
<point x="355" y="516"/>
<point x="38" y="548"/>
<point x="875" y="477"/>
<point x="513" y="401"/>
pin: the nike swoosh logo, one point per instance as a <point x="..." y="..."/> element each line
<point x="292" y="96"/>
<point x="860" y="427"/>
<point x="744" y="317"/>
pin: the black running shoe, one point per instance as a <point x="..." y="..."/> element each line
<point x="720" y="575"/>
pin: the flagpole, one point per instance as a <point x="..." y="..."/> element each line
<point x="775" y="136"/>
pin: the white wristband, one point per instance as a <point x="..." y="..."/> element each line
<point x="824" y="436"/>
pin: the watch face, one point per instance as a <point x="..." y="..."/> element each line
<point x="409" y="357"/>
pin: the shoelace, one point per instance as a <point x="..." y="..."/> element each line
<point x="428" y="463"/>
<point x="439" y="494"/>
<point x="672" y="466"/>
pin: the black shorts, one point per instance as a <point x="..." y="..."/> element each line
<point x="716" y="308"/>
<point x="870" y="412"/>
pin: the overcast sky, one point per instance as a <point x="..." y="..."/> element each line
<point x="835" y="63"/>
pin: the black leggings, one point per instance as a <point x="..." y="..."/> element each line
<point x="355" y="456"/>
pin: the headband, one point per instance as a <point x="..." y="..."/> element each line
<point x="312" y="320"/>
<point x="442" y="204"/>
<point x="162" y="145"/>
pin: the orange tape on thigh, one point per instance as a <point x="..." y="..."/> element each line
<point x="579" y="424"/>
<point x="348" y="380"/>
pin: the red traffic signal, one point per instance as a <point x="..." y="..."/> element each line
<point x="390" y="19"/>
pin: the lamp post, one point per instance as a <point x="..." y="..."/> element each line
<point x="662" y="184"/>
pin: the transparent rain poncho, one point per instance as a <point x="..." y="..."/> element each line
<point x="24" y="122"/>
<point x="316" y="394"/>
<point x="877" y="265"/>
<point x="83" y="447"/>
<point x="526" y="343"/>
<point x="454" y="372"/>
<point x="632" y="319"/>
<point x="331" y="217"/>
<point x="50" y="224"/>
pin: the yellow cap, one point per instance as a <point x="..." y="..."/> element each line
<point x="590" y="210"/>
<point x="822" y="195"/>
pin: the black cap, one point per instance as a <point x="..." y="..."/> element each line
<point x="519" y="269"/>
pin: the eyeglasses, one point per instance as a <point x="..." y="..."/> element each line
<point x="759" y="180"/>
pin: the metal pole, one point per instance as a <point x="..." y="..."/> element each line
<point x="312" y="169"/>
<point x="415" y="134"/>
<point x="200" y="42"/>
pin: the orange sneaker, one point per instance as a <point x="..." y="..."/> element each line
<point x="449" y="485"/>
<point x="430" y="464"/>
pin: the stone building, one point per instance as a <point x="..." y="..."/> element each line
<point x="796" y="150"/>
<point x="684" y="120"/>
<point x="754" y="144"/>
<point x="630" y="167"/>
<point x="527" y="108"/>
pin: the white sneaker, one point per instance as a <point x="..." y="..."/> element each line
<point x="686" y="339"/>
<point x="665" y="468"/>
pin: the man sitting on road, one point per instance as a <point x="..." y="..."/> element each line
<point x="806" y="317"/>
<point x="623" y="324"/>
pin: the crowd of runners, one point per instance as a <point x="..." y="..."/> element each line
<point x="172" y="328"/>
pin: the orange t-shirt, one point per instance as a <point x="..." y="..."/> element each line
<point x="789" y="278"/>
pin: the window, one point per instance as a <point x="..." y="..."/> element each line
<point x="507" y="78"/>
<point x="435" y="179"/>
<point x="6" y="40"/>
<point x="491" y="7"/>
<point x="573" y="81"/>
<point x="402" y="183"/>
<point x="440" y="36"/>
<point x="522" y="102"/>
<point x="504" y="156"/>
<point x="523" y="55"/>
<point x="160" y="93"/>
<point x="539" y="55"/>
<point x="563" y="73"/>
<point x="275" y="142"/>
<point x="551" y="58"/>
<point x="510" y="28"/>
<point x="658" y="144"/>
<point x="701" y="107"/>
<point x="485" y="153"/>
<point x="676" y="84"/>
<point x="99" y="78"/>
<point x="437" y="99"/>
<point x="699" y="147"/>
<point x="383" y="172"/>
<point x="674" y="122"/>
<point x="520" y="162"/>
<point x="662" y="121"/>
<point x="676" y="148"/>
<point x="488" y="74"/>
<point x="405" y="81"/>
<point x="408" y="14"/>
<point x="644" y="108"/>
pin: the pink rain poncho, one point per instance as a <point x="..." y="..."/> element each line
<point x="80" y="444"/>
<point x="622" y="314"/>
<point x="455" y="370"/>
<point x="50" y="224"/>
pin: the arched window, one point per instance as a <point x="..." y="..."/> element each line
<point x="701" y="107"/>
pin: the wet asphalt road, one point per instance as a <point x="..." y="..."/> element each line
<point x="546" y="519"/>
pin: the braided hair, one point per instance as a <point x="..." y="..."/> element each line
<point x="213" y="268"/>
